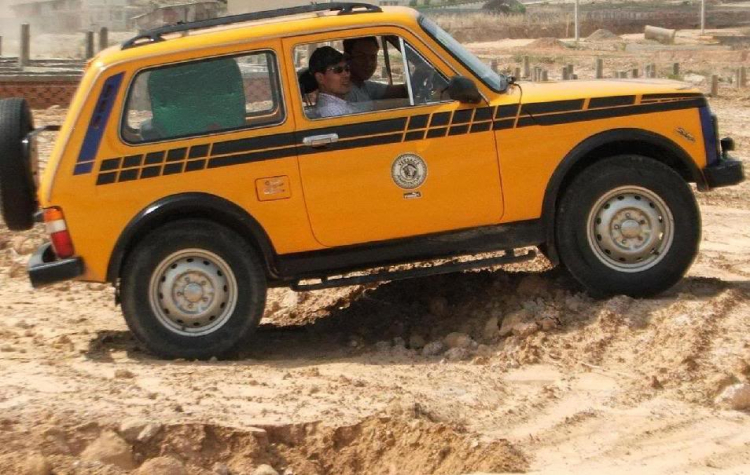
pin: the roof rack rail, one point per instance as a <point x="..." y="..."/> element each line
<point x="155" y="35"/>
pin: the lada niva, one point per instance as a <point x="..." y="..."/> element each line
<point x="202" y="163"/>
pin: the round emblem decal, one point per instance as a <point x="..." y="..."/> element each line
<point x="409" y="171"/>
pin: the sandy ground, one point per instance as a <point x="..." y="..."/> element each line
<point x="542" y="378"/>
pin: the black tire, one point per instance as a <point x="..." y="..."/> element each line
<point x="614" y="232"/>
<point x="17" y="185"/>
<point x="185" y="283"/>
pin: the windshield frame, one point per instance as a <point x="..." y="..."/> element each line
<point x="458" y="52"/>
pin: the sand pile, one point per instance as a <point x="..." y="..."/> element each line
<point x="603" y="35"/>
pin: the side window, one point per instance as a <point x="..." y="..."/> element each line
<point x="364" y="74"/>
<point x="202" y="97"/>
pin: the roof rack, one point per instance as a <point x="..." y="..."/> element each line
<point x="155" y="35"/>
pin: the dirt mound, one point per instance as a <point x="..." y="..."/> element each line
<point x="404" y="442"/>
<point x="546" y="43"/>
<point x="603" y="35"/>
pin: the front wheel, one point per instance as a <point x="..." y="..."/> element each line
<point x="193" y="289"/>
<point x="628" y="225"/>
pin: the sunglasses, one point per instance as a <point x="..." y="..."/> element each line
<point x="339" y="69"/>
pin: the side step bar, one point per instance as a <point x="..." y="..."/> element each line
<point x="508" y="258"/>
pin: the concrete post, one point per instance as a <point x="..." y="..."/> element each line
<point x="1" y="46"/>
<point x="24" y="56"/>
<point x="599" y="68"/>
<point x="565" y="74"/>
<point x="517" y="73"/>
<point x="103" y="38"/>
<point x="571" y="71"/>
<point x="635" y="73"/>
<point x="743" y="77"/>
<point x="714" y="86"/>
<point x="578" y="24"/>
<point x="89" y="44"/>
<point x="545" y="75"/>
<point x="676" y="70"/>
<point x="526" y="67"/>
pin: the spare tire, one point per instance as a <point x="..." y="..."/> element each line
<point x="17" y="165"/>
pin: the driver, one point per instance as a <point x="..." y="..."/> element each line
<point x="362" y="56"/>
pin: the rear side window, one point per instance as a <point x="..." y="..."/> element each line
<point x="203" y="97"/>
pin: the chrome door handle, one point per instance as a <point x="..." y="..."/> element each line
<point x="320" y="140"/>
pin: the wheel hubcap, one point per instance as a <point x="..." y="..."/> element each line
<point x="630" y="229"/>
<point x="193" y="292"/>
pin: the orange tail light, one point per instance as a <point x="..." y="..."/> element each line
<point x="54" y="220"/>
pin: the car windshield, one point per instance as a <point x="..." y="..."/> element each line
<point x="493" y="80"/>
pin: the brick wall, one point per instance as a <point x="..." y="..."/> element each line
<point x="41" y="93"/>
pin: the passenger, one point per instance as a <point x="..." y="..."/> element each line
<point x="362" y="55"/>
<point x="332" y="74"/>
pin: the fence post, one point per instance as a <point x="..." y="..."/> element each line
<point x="89" y="44"/>
<point x="743" y="77"/>
<point x="714" y="86"/>
<point x="599" y="68"/>
<point x="517" y="73"/>
<point x="676" y="70"/>
<point x="24" y="56"/>
<point x="565" y="74"/>
<point x="526" y="67"/>
<point x="103" y="38"/>
<point x="635" y="73"/>
<point x="1" y="46"/>
<point x="545" y="75"/>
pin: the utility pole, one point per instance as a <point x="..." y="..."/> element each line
<point x="703" y="17"/>
<point x="578" y="31"/>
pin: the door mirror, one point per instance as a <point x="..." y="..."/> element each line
<point x="463" y="89"/>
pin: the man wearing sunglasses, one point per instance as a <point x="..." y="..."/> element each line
<point x="333" y="76"/>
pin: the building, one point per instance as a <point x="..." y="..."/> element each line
<point x="70" y="15"/>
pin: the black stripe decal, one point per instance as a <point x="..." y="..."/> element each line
<point x="597" y="114"/>
<point x="556" y="106"/>
<point x="418" y="122"/>
<point x="483" y="127"/>
<point x="248" y="145"/>
<point x="462" y="117"/>
<point x="435" y="133"/>
<point x="506" y="112"/>
<point x="683" y="95"/>
<point x="354" y="143"/>
<point x="418" y="135"/>
<point x="459" y="130"/>
<point x="483" y="113"/>
<point x="503" y="124"/>
<point x="602" y="102"/>
<point x="359" y="130"/>
<point x="440" y="118"/>
<point x="230" y="160"/>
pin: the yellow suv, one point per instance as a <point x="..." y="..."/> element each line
<point x="201" y="163"/>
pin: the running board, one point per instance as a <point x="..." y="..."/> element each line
<point x="508" y="258"/>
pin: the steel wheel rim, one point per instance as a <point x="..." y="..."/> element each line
<point x="193" y="292"/>
<point x="630" y="229"/>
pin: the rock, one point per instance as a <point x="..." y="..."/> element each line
<point x="438" y="306"/>
<point x="149" y="432"/>
<point x="433" y="349"/>
<point x="22" y="245"/>
<point x="383" y="346"/>
<point x="694" y="79"/>
<point x="735" y="397"/>
<point x="548" y="324"/>
<point x="112" y="449"/>
<point x="36" y="464"/>
<point x="457" y="340"/>
<point x="291" y="299"/>
<point x="457" y="354"/>
<point x="131" y="427"/>
<point x="515" y="318"/>
<point x="265" y="470"/>
<point x="221" y="469"/>
<point x="161" y="466"/>
<point x="489" y="332"/>
<point x="123" y="374"/>
<point x="532" y="285"/>
<point x="399" y="342"/>
<point x="416" y="342"/>
<point x="522" y="330"/>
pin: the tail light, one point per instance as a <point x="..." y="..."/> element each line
<point x="58" y="232"/>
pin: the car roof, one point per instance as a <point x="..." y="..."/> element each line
<point x="281" y="27"/>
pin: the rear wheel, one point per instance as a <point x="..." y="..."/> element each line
<point x="629" y="225"/>
<point x="193" y="289"/>
<point x="17" y="165"/>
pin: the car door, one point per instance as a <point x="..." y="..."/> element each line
<point x="423" y="165"/>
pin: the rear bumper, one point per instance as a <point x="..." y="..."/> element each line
<point x="725" y="172"/>
<point x="45" y="268"/>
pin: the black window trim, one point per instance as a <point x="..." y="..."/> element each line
<point x="277" y="79"/>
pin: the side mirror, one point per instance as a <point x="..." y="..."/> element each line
<point x="463" y="89"/>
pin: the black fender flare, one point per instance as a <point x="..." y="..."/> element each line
<point x="185" y="206"/>
<point x="584" y="150"/>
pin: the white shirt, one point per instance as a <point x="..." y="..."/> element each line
<point x="332" y="106"/>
